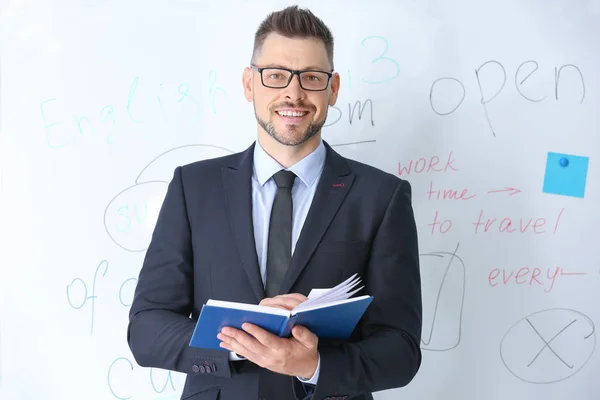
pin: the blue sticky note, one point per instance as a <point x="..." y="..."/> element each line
<point x="566" y="174"/>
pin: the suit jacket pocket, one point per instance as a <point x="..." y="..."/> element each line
<point x="211" y="393"/>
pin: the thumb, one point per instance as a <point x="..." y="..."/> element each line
<point x="304" y="336"/>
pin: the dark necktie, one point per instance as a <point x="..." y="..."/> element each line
<point x="279" y="250"/>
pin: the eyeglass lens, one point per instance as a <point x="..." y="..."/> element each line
<point x="278" y="78"/>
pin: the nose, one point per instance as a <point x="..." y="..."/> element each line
<point x="294" y="91"/>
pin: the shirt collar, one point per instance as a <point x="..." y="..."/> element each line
<point x="308" y="169"/>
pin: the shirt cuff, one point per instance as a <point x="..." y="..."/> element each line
<point x="234" y="357"/>
<point x="315" y="377"/>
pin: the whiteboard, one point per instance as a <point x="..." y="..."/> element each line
<point x="489" y="109"/>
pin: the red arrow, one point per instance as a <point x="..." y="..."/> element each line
<point x="513" y="190"/>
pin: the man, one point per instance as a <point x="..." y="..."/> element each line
<point x="267" y="225"/>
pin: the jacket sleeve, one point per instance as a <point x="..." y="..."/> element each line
<point x="388" y="354"/>
<point x="160" y="326"/>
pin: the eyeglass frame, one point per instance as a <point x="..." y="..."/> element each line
<point x="292" y="73"/>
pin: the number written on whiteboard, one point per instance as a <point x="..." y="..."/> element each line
<point x="386" y="68"/>
<point x="354" y="110"/>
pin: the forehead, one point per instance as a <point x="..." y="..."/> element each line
<point x="294" y="53"/>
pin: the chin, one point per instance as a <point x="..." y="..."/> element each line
<point x="291" y="139"/>
<point x="291" y="134"/>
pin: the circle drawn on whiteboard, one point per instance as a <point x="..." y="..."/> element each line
<point x="548" y="346"/>
<point x="162" y="167"/>
<point x="130" y="217"/>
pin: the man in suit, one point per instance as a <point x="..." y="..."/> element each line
<point x="267" y="225"/>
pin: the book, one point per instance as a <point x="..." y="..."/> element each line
<point x="328" y="313"/>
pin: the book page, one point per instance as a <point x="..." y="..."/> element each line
<point x="300" y="309"/>
<point x="248" y="307"/>
<point x="327" y="296"/>
<point x="317" y="292"/>
<point x="334" y="293"/>
<point x="321" y="292"/>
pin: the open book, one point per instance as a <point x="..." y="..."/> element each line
<point x="328" y="313"/>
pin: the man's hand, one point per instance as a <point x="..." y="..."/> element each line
<point x="296" y="356"/>
<point x="284" y="301"/>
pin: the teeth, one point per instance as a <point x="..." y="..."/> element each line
<point x="291" y="113"/>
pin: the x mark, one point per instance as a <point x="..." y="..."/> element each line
<point x="547" y="343"/>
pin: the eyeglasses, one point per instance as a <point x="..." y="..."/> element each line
<point x="279" y="78"/>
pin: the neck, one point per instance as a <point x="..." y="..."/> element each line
<point x="287" y="155"/>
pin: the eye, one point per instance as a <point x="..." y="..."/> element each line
<point x="312" y="77"/>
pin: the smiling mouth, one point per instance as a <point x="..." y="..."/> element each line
<point x="291" y="114"/>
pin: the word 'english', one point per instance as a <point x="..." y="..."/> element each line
<point x="143" y="104"/>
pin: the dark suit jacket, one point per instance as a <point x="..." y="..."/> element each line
<point x="360" y="221"/>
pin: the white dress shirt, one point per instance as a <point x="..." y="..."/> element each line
<point x="308" y="172"/>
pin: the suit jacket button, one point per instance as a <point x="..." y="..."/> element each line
<point x="195" y="368"/>
<point x="208" y="370"/>
<point x="214" y="368"/>
<point x="202" y="369"/>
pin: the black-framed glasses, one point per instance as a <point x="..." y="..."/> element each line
<point x="279" y="78"/>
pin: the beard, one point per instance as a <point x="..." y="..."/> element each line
<point x="295" y="138"/>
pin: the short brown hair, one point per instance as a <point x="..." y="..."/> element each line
<point x="293" y="22"/>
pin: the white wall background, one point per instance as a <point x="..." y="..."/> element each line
<point x="101" y="100"/>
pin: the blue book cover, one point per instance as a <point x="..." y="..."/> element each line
<point x="328" y="320"/>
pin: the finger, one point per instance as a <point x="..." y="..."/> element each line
<point x="305" y="336"/>
<point x="233" y="340"/>
<point x="241" y="351"/>
<point x="242" y="340"/>
<point x="227" y="336"/>
<point x="287" y="303"/>
<point x="296" y="296"/>
<point x="232" y="345"/>
<point x="264" y="337"/>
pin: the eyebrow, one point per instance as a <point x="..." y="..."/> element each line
<point x="310" y="67"/>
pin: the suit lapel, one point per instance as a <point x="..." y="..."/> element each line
<point x="332" y="188"/>
<point x="237" y="183"/>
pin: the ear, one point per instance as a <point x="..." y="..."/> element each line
<point x="335" y="88"/>
<point x="247" y="81"/>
